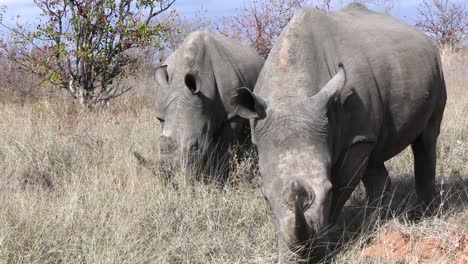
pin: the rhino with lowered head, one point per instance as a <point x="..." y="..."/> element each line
<point x="338" y="96"/>
<point x="194" y="85"/>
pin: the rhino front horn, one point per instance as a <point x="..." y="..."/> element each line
<point x="302" y="229"/>
<point x="150" y="165"/>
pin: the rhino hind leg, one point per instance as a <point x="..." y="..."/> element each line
<point x="378" y="185"/>
<point x="424" y="150"/>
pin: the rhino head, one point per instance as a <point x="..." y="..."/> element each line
<point x="295" y="160"/>
<point x="191" y="114"/>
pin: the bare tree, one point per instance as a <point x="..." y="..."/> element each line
<point x="15" y="83"/>
<point x="260" y="22"/>
<point x="181" y="27"/>
<point x="446" y="22"/>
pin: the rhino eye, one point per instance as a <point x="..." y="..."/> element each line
<point x="161" y="121"/>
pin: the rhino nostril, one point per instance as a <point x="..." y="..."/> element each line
<point x="194" y="147"/>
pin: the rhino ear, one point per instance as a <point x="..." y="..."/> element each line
<point x="193" y="82"/>
<point x="333" y="87"/>
<point x="247" y="104"/>
<point x="162" y="77"/>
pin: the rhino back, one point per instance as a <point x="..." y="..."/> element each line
<point x="235" y="64"/>
<point x="229" y="62"/>
<point x="394" y="78"/>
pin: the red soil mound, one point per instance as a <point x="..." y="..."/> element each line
<point x="395" y="246"/>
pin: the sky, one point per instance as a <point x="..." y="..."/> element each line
<point x="26" y="11"/>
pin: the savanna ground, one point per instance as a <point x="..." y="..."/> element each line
<point x="71" y="192"/>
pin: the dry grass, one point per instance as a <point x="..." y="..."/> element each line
<point x="71" y="191"/>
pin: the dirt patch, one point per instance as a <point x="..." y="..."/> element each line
<point x="393" y="245"/>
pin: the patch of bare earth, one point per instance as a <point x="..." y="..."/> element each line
<point x="394" y="245"/>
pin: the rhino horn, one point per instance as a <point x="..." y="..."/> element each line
<point x="150" y="165"/>
<point x="302" y="230"/>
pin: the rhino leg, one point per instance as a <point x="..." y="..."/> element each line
<point x="424" y="150"/>
<point x="348" y="175"/>
<point x="377" y="184"/>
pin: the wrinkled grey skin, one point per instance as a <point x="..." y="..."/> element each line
<point x="194" y="86"/>
<point x="338" y="96"/>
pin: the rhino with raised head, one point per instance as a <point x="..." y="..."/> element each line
<point x="194" y="85"/>
<point x="339" y="95"/>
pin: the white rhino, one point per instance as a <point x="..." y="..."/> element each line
<point x="339" y="95"/>
<point x="194" y="85"/>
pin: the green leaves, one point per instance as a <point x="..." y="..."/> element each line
<point x="87" y="42"/>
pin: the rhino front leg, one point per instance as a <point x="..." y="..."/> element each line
<point x="377" y="184"/>
<point x="348" y="175"/>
